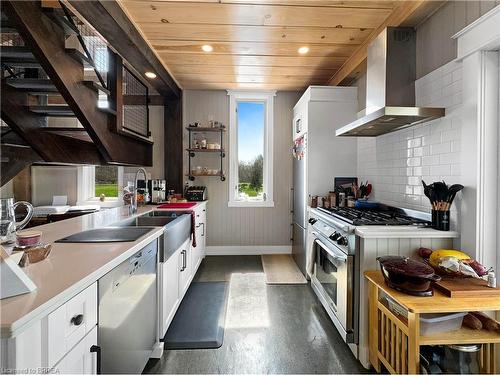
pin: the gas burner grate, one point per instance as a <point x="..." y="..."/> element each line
<point x="371" y="217"/>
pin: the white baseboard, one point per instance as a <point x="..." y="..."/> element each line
<point x="248" y="250"/>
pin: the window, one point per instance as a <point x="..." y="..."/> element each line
<point x="101" y="179"/>
<point x="251" y="149"/>
<point x="106" y="181"/>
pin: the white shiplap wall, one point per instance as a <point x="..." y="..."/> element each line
<point x="235" y="226"/>
<point x="396" y="163"/>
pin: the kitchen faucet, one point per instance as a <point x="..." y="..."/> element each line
<point x="133" y="204"/>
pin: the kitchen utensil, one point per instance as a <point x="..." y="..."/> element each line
<point x="466" y="287"/>
<point x="8" y="223"/>
<point x="408" y="275"/>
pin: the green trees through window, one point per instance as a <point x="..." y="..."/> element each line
<point x="106" y="181"/>
<point x="251" y="176"/>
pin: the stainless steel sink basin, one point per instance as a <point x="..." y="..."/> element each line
<point x="173" y="214"/>
<point x="108" y="234"/>
<point x="146" y="221"/>
<point x="176" y="228"/>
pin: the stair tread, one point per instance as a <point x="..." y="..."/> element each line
<point x="32" y="84"/>
<point x="18" y="56"/>
<point x="52" y="110"/>
<point x="79" y="56"/>
<point x="77" y="133"/>
<point x="96" y="86"/>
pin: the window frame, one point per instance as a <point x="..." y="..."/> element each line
<point x="86" y="188"/>
<point x="267" y="97"/>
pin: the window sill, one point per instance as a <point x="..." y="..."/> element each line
<point x="108" y="202"/>
<point x="250" y="204"/>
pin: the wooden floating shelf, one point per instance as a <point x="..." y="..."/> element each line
<point x="204" y="129"/>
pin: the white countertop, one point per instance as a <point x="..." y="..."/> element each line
<point x="402" y="231"/>
<point x="71" y="267"/>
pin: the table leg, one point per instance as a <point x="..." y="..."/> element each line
<point x="373" y="334"/>
<point x="413" y="343"/>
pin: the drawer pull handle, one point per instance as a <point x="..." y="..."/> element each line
<point x="77" y="319"/>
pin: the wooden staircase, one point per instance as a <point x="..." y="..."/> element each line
<point x="45" y="74"/>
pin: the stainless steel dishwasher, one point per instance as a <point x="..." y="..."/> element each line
<point x="128" y="313"/>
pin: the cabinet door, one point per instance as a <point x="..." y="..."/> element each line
<point x="169" y="291"/>
<point x="184" y="268"/>
<point x="82" y="359"/>
<point x="201" y="235"/>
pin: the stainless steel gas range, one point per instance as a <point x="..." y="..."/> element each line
<point x="334" y="260"/>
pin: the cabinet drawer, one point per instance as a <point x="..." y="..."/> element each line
<point x="82" y="359"/>
<point x="67" y="325"/>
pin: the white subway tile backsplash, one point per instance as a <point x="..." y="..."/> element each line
<point x="440" y="148"/>
<point x="430" y="160"/>
<point x="396" y="163"/>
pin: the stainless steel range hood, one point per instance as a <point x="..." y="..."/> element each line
<point x="390" y="87"/>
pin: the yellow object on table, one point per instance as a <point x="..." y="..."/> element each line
<point x="395" y="341"/>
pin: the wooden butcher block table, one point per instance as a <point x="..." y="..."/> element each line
<point x="395" y="341"/>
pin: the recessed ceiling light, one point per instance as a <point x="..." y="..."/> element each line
<point x="150" y="75"/>
<point x="303" y="50"/>
<point x="207" y="48"/>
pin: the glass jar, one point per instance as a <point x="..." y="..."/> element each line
<point x="461" y="359"/>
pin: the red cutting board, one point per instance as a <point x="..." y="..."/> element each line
<point x="177" y="205"/>
<point x="466" y="287"/>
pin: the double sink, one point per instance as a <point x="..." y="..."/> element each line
<point x="176" y="230"/>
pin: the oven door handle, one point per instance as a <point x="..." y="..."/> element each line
<point x="332" y="253"/>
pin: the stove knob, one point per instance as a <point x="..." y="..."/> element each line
<point x="312" y="221"/>
<point x="342" y="241"/>
<point x="335" y="236"/>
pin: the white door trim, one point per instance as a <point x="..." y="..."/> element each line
<point x="477" y="49"/>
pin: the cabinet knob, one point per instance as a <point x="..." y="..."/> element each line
<point x="77" y="319"/>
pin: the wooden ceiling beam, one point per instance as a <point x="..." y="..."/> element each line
<point x="403" y="11"/>
<point x="109" y="19"/>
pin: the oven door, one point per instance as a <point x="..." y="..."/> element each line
<point x="333" y="271"/>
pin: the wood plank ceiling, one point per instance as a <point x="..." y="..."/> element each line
<point x="255" y="43"/>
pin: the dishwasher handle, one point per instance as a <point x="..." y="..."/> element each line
<point x="97" y="349"/>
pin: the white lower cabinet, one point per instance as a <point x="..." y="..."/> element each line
<point x="57" y="339"/>
<point x="169" y="291"/>
<point x="185" y="268"/>
<point x="83" y="358"/>
<point x="70" y="323"/>
<point x="178" y="271"/>
<point x="201" y="235"/>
